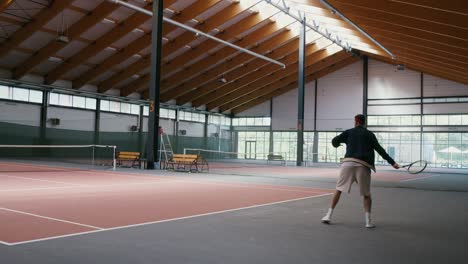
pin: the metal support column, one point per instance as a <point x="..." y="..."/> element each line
<point x="421" y="119"/>
<point x="176" y="131"/>
<point x="152" y="144"/>
<point x="301" y="87"/>
<point x="140" y="129"/>
<point x="97" y="121"/>
<point x="316" y="136"/>
<point x="43" y="124"/>
<point x="270" y="147"/>
<point x="205" y="132"/>
<point x="365" y="80"/>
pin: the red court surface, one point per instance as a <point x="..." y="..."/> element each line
<point x="50" y="204"/>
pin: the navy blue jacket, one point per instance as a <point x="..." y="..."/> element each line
<point x="360" y="144"/>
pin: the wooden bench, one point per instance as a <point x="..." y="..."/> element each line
<point x="273" y="157"/>
<point x="194" y="163"/>
<point x="127" y="156"/>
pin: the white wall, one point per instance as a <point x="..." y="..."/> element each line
<point x="435" y="86"/>
<point x="385" y="81"/>
<point x="73" y="119"/>
<point x="340" y="98"/>
<point x="117" y="122"/>
<point x="285" y="111"/>
<point x="193" y="129"/>
<point x="262" y="109"/>
<point x="20" y="113"/>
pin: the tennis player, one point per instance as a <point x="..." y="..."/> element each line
<point x="357" y="165"/>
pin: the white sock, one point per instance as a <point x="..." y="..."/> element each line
<point x="368" y="218"/>
<point x="330" y="212"/>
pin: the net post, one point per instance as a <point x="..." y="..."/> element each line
<point x="93" y="155"/>
<point x="114" y="162"/>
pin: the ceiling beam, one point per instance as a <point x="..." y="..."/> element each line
<point x="4" y="4"/>
<point x="222" y="65"/>
<point x="197" y="95"/>
<point x="271" y="82"/>
<point x="262" y="34"/>
<point x="405" y="52"/>
<point x="196" y="52"/>
<point x="394" y="26"/>
<point x="422" y="67"/>
<point x="198" y="68"/>
<point x="413" y="46"/>
<point x="186" y="38"/>
<point x="122" y="29"/>
<point x="407" y="22"/>
<point x="401" y="9"/>
<point x="85" y="23"/>
<point x="130" y="50"/>
<point x="433" y="44"/>
<point x="329" y="68"/>
<point x="37" y="22"/>
<point x="212" y="99"/>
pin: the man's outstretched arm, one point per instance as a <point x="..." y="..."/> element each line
<point x="341" y="138"/>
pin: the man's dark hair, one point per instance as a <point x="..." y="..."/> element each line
<point x="360" y="119"/>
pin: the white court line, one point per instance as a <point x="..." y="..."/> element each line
<point x="420" y="178"/>
<point x="34" y="179"/>
<point x="5" y="243"/>
<point x="50" y="218"/>
<point x="167" y="220"/>
<point x="171" y="177"/>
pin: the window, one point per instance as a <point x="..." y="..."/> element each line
<point x="114" y="106"/>
<point x="79" y="102"/>
<point x="125" y="108"/>
<point x="219" y="120"/>
<point x="251" y="121"/>
<point x="35" y="96"/>
<point x="90" y="103"/>
<point x="398" y="120"/>
<point x="4" y="92"/>
<point x="190" y="116"/>
<point x="285" y="144"/>
<point x="20" y="94"/>
<point x="253" y="145"/>
<point x="135" y="109"/>
<point x="105" y="105"/>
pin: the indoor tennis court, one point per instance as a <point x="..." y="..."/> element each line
<point x="233" y="131"/>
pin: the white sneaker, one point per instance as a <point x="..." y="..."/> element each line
<point x="370" y="225"/>
<point x="326" y="219"/>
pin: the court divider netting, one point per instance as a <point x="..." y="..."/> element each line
<point x="57" y="157"/>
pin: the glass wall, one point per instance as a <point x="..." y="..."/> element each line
<point x="285" y="143"/>
<point x="254" y="144"/>
<point x="404" y="147"/>
<point x="447" y="150"/>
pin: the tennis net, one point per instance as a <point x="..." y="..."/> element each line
<point x="225" y="159"/>
<point x="56" y="157"/>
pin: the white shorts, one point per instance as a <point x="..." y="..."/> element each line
<point x="354" y="172"/>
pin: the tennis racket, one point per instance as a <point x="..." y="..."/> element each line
<point x="416" y="167"/>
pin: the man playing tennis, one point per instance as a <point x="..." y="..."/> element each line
<point x="357" y="165"/>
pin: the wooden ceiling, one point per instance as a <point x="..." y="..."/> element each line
<point x="109" y="45"/>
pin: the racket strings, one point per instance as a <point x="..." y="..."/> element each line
<point x="417" y="167"/>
